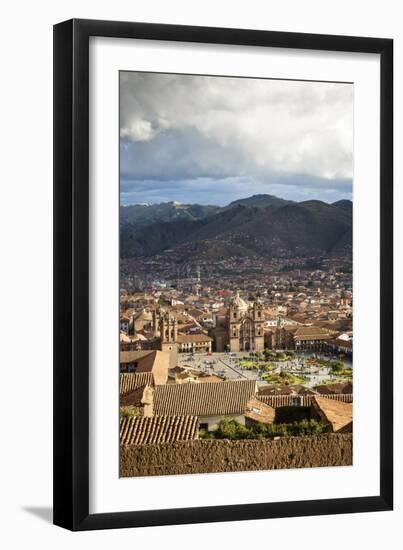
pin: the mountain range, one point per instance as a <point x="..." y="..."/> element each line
<point x="262" y="225"/>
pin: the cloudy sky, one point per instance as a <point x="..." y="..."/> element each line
<point x="212" y="140"/>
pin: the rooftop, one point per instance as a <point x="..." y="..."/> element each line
<point x="207" y="399"/>
<point x="189" y="338"/>
<point x="141" y="430"/>
<point x="259" y="411"/>
<point x="338" y="387"/>
<point x="147" y="361"/>
<point x="130" y="382"/>
<point x="316" y="333"/>
<point x="338" y="414"/>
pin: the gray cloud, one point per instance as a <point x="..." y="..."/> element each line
<point x="207" y="136"/>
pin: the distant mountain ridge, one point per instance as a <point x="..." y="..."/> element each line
<point x="344" y="204"/>
<point x="141" y="215"/>
<point x="259" y="225"/>
<point x="259" y="201"/>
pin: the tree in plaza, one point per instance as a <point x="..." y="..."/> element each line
<point x="337" y="366"/>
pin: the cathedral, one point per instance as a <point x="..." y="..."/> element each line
<point x="241" y="328"/>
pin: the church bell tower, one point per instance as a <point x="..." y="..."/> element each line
<point x="168" y="326"/>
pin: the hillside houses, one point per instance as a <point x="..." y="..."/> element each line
<point x="207" y="327"/>
<point x="195" y="353"/>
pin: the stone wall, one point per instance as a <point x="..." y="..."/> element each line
<point x="202" y="456"/>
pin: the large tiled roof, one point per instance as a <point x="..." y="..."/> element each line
<point x="189" y="338"/>
<point x="195" y="312"/>
<point x="132" y="356"/>
<point x="141" y="430"/>
<point x="338" y="387"/>
<point x="295" y="389"/>
<point x="133" y="399"/>
<point x="304" y="399"/>
<point x="342" y="343"/>
<point x="338" y="414"/>
<point x="312" y="333"/>
<point x="130" y="382"/>
<point x="209" y="399"/>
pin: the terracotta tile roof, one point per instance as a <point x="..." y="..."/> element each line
<point x="133" y="398"/>
<point x="279" y="400"/>
<point x="290" y="328"/>
<point x="156" y="359"/>
<point x="209" y="399"/>
<point x="151" y="361"/>
<point x="208" y="378"/>
<point x="342" y="343"/>
<point x="260" y="412"/>
<point x="185" y="376"/>
<point x="176" y="370"/>
<point x="303" y="399"/>
<point x="195" y="312"/>
<point x="189" y="338"/>
<point x="132" y="381"/>
<point x="182" y="318"/>
<point x="299" y="317"/>
<point x="180" y="373"/>
<point x="340" y="387"/>
<point x="142" y="430"/>
<point x="306" y="391"/>
<point x="271" y="389"/>
<point x="132" y="356"/>
<point x="147" y="363"/>
<point x="348" y="428"/>
<point x="338" y="414"/>
<point x="295" y="389"/>
<point x="185" y="327"/>
<point x="312" y="333"/>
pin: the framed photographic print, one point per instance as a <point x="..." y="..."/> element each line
<point x="223" y="321"/>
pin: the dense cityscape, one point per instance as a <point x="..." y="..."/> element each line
<point x="235" y="348"/>
<point x="236" y="292"/>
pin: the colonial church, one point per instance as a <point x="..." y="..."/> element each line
<point x="166" y="326"/>
<point x="241" y="327"/>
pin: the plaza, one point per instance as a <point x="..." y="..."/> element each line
<point x="230" y="366"/>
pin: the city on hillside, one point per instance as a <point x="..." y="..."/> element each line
<point x="241" y="347"/>
<point x="236" y="274"/>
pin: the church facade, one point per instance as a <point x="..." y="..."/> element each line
<point x="241" y="328"/>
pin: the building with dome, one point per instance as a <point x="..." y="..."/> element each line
<point x="143" y="320"/>
<point x="240" y="327"/>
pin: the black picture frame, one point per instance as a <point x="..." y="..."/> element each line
<point x="71" y="274"/>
